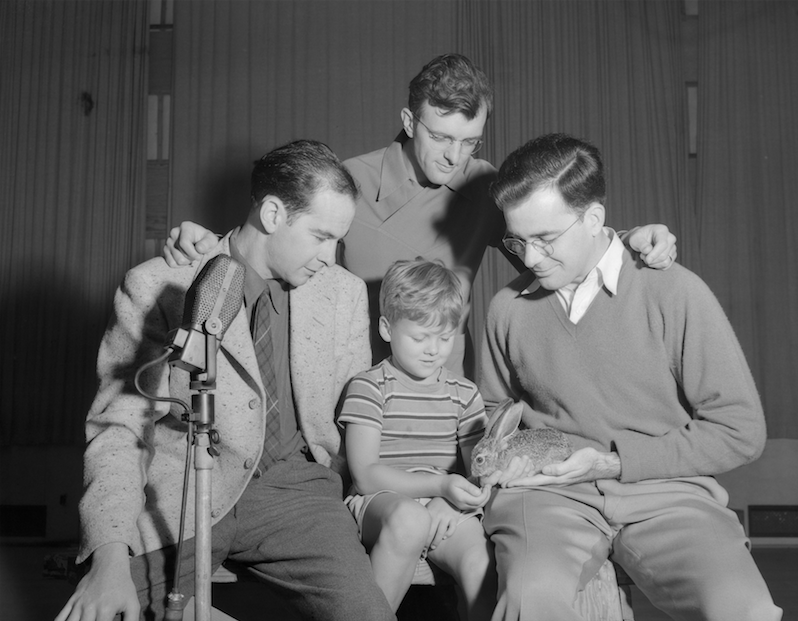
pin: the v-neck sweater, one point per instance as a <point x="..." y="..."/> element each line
<point x="654" y="373"/>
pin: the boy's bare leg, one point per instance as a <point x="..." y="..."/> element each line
<point x="394" y="532"/>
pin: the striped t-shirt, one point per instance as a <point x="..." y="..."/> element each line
<point x="421" y="425"/>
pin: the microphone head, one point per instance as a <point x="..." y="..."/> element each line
<point x="218" y="291"/>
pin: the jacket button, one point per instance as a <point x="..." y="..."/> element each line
<point x="215" y="513"/>
<point x="253" y="404"/>
<point x="248" y="464"/>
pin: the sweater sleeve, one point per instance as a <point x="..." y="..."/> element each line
<point x="726" y="428"/>
<point x="498" y="379"/>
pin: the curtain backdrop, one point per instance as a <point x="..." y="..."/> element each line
<point x="72" y="167"/>
<point x="748" y="187"/>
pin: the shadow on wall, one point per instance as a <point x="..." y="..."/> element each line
<point x="224" y="199"/>
<point x="52" y="323"/>
<point x="51" y="329"/>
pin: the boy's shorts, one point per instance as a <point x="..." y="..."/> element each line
<point x="358" y="504"/>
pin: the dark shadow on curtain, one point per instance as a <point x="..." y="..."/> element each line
<point x="51" y="330"/>
<point x="72" y="129"/>
<point x="225" y="196"/>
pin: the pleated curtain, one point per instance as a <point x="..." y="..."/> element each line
<point x="72" y="162"/>
<point x="747" y="187"/>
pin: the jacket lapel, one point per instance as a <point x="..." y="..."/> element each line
<point x="313" y="355"/>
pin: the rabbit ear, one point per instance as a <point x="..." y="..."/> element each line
<point x="504" y="420"/>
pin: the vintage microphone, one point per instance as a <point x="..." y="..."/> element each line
<point x="212" y="302"/>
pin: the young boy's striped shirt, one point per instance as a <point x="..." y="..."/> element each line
<point x="420" y="424"/>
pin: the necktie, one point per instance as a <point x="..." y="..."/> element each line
<point x="264" y="351"/>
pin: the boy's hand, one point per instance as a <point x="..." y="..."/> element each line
<point x="444" y="521"/>
<point x="463" y="494"/>
<point x="187" y="243"/>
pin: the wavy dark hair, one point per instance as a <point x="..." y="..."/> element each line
<point x="453" y="83"/>
<point x="296" y="171"/>
<point x="560" y="161"/>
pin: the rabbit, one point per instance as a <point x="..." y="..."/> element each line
<point x="503" y="441"/>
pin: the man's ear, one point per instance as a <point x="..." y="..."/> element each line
<point x="385" y="329"/>
<point x="594" y="218"/>
<point x="271" y="213"/>
<point x="407" y="121"/>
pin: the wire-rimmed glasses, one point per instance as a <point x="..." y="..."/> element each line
<point x="542" y="246"/>
<point x="443" y="141"/>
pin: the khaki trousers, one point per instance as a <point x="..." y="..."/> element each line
<point x="683" y="548"/>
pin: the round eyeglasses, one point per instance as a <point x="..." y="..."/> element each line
<point x="542" y="246"/>
<point x="443" y="141"/>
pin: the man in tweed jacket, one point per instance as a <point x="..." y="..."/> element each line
<point x="284" y="520"/>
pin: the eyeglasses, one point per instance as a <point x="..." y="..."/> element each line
<point x="442" y="141"/>
<point x="543" y="246"/>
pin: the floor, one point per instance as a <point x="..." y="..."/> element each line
<point x="26" y="595"/>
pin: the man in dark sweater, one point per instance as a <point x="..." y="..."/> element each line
<point x="642" y="371"/>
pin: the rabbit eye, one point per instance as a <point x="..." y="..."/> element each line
<point x="480" y="459"/>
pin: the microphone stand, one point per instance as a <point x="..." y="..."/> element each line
<point x="205" y="436"/>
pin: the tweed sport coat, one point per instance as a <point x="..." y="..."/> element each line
<point x="135" y="454"/>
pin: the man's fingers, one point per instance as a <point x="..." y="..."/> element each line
<point x="206" y="243"/>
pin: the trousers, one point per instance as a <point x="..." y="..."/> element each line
<point x="291" y="530"/>
<point x="682" y="547"/>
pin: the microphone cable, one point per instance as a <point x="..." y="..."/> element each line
<point x="174" y="607"/>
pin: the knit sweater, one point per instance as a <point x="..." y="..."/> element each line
<point x="654" y="373"/>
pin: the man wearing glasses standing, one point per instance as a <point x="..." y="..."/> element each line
<point x="427" y="195"/>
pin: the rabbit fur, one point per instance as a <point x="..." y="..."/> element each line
<point x="503" y="441"/>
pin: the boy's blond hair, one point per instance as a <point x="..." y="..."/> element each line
<point x="426" y="292"/>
